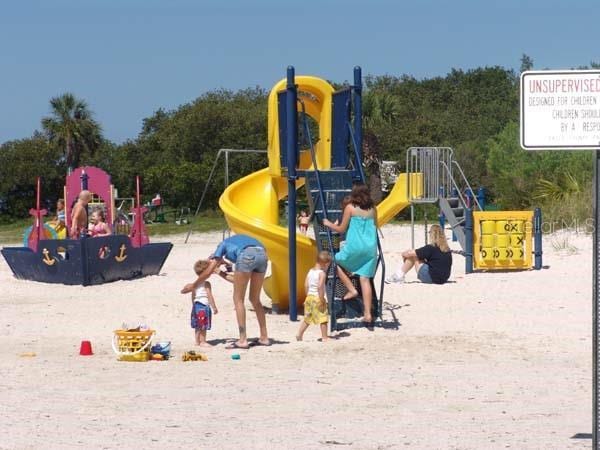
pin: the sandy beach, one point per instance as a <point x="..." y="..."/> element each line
<point x="488" y="361"/>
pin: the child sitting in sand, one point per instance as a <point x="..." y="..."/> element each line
<point x="98" y="227"/>
<point x="203" y="306"/>
<point x="315" y="305"/>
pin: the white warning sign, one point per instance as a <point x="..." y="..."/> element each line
<point x="560" y="110"/>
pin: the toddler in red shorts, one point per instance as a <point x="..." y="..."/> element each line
<point x="203" y="306"/>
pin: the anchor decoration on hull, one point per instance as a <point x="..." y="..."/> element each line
<point x="121" y="256"/>
<point x="47" y="259"/>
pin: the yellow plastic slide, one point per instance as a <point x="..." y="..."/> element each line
<point x="251" y="204"/>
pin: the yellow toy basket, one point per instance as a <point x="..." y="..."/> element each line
<point x="132" y="345"/>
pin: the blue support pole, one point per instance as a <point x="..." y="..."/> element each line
<point x="441" y="217"/>
<point x="442" y="220"/>
<point x="537" y="238"/>
<point x="469" y="240"/>
<point x="357" y="89"/>
<point x="358" y="107"/>
<point x="454" y="195"/>
<point x="481" y="197"/>
<point x="292" y="161"/>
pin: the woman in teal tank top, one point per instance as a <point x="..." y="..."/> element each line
<point x="359" y="254"/>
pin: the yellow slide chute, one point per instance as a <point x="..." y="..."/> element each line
<point x="251" y="204"/>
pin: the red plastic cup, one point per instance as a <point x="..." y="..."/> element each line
<point x="86" y="348"/>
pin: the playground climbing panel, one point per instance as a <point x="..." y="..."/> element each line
<point x="502" y="240"/>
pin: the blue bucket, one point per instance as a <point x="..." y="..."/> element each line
<point x="162" y="348"/>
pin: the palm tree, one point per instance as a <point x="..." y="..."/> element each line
<point x="379" y="109"/>
<point x="560" y="190"/>
<point x="72" y="127"/>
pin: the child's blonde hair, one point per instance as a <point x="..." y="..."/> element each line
<point x="324" y="257"/>
<point x="200" y="266"/>
<point x="438" y="238"/>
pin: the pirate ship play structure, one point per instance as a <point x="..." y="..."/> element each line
<point x="87" y="261"/>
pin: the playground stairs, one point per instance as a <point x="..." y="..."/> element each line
<point x="454" y="212"/>
<point x="335" y="185"/>
<point x="444" y="184"/>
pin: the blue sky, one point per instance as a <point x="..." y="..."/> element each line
<point x="127" y="58"/>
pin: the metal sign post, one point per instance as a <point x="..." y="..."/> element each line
<point x="560" y="110"/>
<point x="596" y="307"/>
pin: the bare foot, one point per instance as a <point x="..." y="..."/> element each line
<point x="368" y="319"/>
<point x="298" y="338"/>
<point x="238" y="345"/>
<point x="325" y="339"/>
<point x="203" y="344"/>
<point x="350" y="295"/>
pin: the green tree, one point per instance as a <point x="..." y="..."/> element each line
<point x="72" y="128"/>
<point x="526" y="63"/>
<point x="519" y="178"/>
<point x="464" y="107"/>
<point x="21" y="162"/>
<point x="176" y="149"/>
<point x="379" y="111"/>
<point x="475" y="112"/>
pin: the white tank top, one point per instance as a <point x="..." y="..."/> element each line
<point x="313" y="281"/>
<point x="201" y="296"/>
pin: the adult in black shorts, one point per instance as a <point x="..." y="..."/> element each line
<point x="433" y="262"/>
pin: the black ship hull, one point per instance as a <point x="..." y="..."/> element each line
<point x="88" y="261"/>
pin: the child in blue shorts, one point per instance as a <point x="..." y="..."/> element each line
<point x="203" y="306"/>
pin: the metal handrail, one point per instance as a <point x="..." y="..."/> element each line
<point x="462" y="174"/>
<point x="356" y="153"/>
<point x="408" y="177"/>
<point x="380" y="259"/>
<point x="429" y="167"/>
<point x="444" y="157"/>
<point x="321" y="196"/>
<point x="454" y="184"/>
<point x="315" y="166"/>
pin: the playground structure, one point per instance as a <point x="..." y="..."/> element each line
<point x="503" y="239"/>
<point x="87" y="261"/>
<point x="490" y="240"/>
<point x="328" y="167"/>
<point x="157" y="212"/>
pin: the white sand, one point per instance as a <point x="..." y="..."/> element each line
<point x="493" y="360"/>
